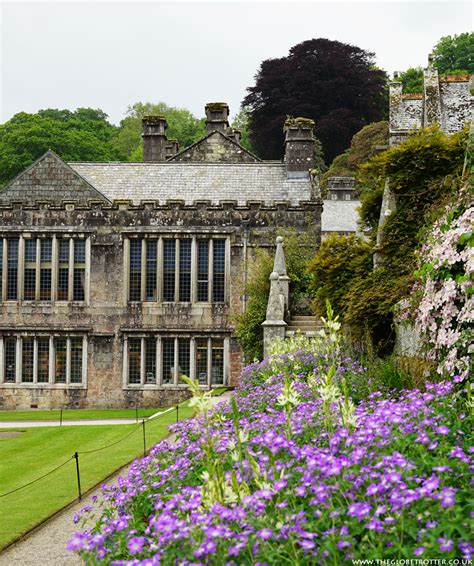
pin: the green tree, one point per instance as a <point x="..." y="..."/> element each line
<point x="412" y="80"/>
<point x="454" y="54"/>
<point x="241" y="123"/>
<point x="83" y="135"/>
<point x="182" y="126"/>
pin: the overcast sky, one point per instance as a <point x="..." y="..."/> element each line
<point x="108" y="54"/>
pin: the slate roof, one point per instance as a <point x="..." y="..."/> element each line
<point x="340" y="216"/>
<point x="194" y="181"/>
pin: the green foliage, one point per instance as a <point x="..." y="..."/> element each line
<point x="412" y="80"/>
<point x="338" y="262"/>
<point x="241" y="123"/>
<point x="182" y="126"/>
<point x="425" y="174"/>
<point x="370" y="302"/>
<point x="453" y="54"/>
<point x="364" y="145"/>
<point x="424" y="171"/>
<point x="248" y="328"/>
<point x="83" y="135"/>
<point x="299" y="248"/>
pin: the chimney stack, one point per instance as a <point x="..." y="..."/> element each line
<point x="154" y="138"/>
<point x="299" y="147"/>
<point x="234" y="134"/>
<point x="217" y="117"/>
<point x="171" y="148"/>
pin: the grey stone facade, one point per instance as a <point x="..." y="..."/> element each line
<point x="85" y="316"/>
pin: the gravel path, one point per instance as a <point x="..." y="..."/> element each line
<point x="46" y="546"/>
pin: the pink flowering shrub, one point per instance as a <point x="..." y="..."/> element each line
<point x="266" y="479"/>
<point x="445" y="313"/>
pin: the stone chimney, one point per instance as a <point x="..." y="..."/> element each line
<point x="154" y="138"/>
<point x="171" y="148"/>
<point x="217" y="117"/>
<point x="234" y="134"/>
<point x="299" y="147"/>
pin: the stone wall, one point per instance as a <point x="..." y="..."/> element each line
<point x="108" y="316"/>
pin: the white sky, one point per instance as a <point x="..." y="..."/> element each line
<point x="108" y="54"/>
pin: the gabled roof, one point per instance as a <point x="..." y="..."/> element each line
<point x="50" y="178"/>
<point x="198" y="149"/>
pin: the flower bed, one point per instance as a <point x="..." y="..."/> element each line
<point x="267" y="479"/>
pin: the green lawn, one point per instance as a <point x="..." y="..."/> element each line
<point x="75" y="414"/>
<point x="38" y="450"/>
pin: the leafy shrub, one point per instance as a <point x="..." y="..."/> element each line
<point x="339" y="261"/>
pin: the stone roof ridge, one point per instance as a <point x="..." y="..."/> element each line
<point x="198" y="142"/>
<point x="55" y="156"/>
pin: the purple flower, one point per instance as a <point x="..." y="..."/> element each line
<point x="419" y="551"/>
<point x="445" y="544"/>
<point x="264" y="534"/>
<point x="442" y="429"/>
<point x="135" y="545"/>
<point x="78" y="542"/>
<point x="359" y="510"/>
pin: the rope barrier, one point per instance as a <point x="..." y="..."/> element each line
<point x="113" y="443"/>
<point x="76" y="454"/>
<point x="37" y="479"/>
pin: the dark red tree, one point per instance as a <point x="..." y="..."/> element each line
<point x="335" y="84"/>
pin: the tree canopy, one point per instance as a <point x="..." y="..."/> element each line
<point x="82" y="135"/>
<point x="453" y="54"/>
<point x="412" y="80"/>
<point x="335" y="84"/>
<point x="182" y="126"/>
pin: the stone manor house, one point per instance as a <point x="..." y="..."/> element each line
<point x="118" y="278"/>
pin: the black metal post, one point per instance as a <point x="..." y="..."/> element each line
<point x="136" y="413"/>
<point x="144" y="437"/>
<point x="177" y="413"/>
<point x="61" y="418"/>
<point x="76" y="456"/>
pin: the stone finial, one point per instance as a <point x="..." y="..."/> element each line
<point x="279" y="265"/>
<point x="395" y="75"/>
<point x="217" y="117"/>
<point x="299" y="146"/>
<point x="154" y="138"/>
<point x="430" y="59"/>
